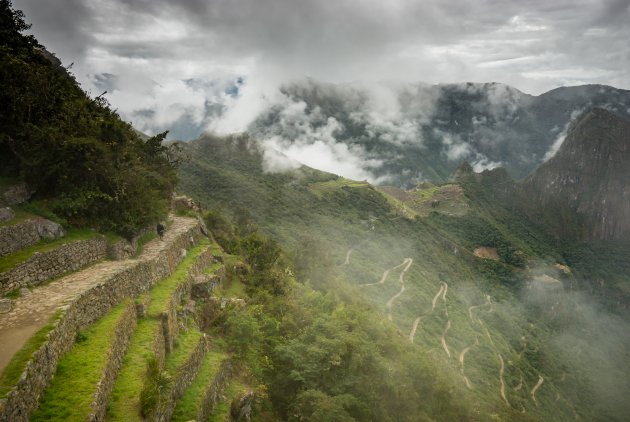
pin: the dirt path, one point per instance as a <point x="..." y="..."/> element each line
<point x="462" y="356"/>
<point x="347" y="261"/>
<point x="502" y="388"/>
<point x="401" y="278"/>
<point x="381" y="281"/>
<point x="31" y="312"/>
<point x="443" y="339"/>
<point x="536" y="387"/>
<point x="412" y="334"/>
<point x="520" y="385"/>
<point x="488" y="302"/>
<point x="436" y="297"/>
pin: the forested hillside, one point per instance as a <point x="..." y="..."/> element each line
<point x="82" y="161"/>
<point x="472" y="287"/>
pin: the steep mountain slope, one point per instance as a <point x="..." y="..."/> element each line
<point x="483" y="294"/>
<point x="399" y="134"/>
<point x="587" y="181"/>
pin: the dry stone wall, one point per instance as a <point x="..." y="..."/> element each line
<point x="170" y="325"/>
<point x="44" y="266"/>
<point x="212" y="395"/>
<point x="183" y="378"/>
<point x="83" y="311"/>
<point x="18" y="236"/>
<point x="123" y="332"/>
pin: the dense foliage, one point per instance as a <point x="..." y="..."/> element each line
<point x="320" y="358"/>
<point x="70" y="148"/>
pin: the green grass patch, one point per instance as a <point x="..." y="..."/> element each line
<point x="13" y="371"/>
<point x="222" y="410"/>
<point x="321" y="188"/>
<point x="11" y="261"/>
<point x="71" y="391"/>
<point x="20" y="216"/>
<point x="161" y="293"/>
<point x="124" y="404"/>
<point x="232" y="287"/>
<point x="125" y="401"/>
<point x="184" y="346"/>
<point x="192" y="399"/>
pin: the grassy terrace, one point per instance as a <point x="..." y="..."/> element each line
<point x="71" y="391"/>
<point x="187" y="406"/>
<point x="124" y="403"/>
<point x="10" y="261"/>
<point x="14" y="369"/>
<point x="222" y="410"/>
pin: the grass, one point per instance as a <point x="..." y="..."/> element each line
<point x="321" y="188"/>
<point x="232" y="287"/>
<point x="161" y="293"/>
<point x="185" y="343"/>
<point x="13" y="371"/>
<point x="190" y="402"/>
<point x="222" y="410"/>
<point x="71" y="391"/>
<point x="9" y="262"/>
<point x="124" y="404"/>
<point x="20" y="216"/>
<point x="125" y="401"/>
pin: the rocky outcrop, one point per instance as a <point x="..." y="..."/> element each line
<point x="6" y="214"/>
<point x="583" y="191"/>
<point x="241" y="408"/>
<point x="16" y="194"/>
<point x="18" y="236"/>
<point x="46" y="265"/>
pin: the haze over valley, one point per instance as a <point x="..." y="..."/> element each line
<point x="306" y="211"/>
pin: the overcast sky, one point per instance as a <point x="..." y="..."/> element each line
<point x="170" y="62"/>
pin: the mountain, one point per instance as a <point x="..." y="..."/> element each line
<point x="521" y="325"/>
<point x="400" y="134"/>
<point x="587" y="180"/>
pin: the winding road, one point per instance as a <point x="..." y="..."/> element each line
<point x="462" y="355"/>
<point x="412" y="334"/>
<point x="470" y="314"/>
<point x="401" y="278"/>
<point x="347" y="261"/>
<point x="536" y="387"/>
<point x="502" y="388"/>
<point x="443" y="339"/>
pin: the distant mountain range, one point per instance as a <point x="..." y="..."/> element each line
<point x="400" y="134"/>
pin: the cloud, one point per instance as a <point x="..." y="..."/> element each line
<point x="533" y="45"/>
<point x="557" y="143"/>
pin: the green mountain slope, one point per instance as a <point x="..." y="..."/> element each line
<point x="483" y="294"/>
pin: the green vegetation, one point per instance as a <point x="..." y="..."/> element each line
<point x="13" y="371"/>
<point x="125" y="401"/>
<point x="124" y="404"/>
<point x="187" y="406"/>
<point x="74" y="150"/>
<point x="71" y="391"/>
<point x="8" y="262"/>
<point x="305" y="342"/>
<point x="221" y="412"/>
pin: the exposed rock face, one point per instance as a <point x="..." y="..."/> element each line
<point x="16" y="194"/>
<point x="18" y="236"/>
<point x="6" y="214"/>
<point x="584" y="190"/>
